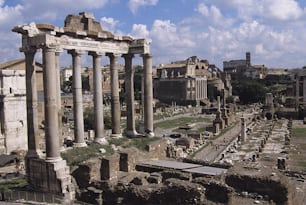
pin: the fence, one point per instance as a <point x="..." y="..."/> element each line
<point x="25" y="196"/>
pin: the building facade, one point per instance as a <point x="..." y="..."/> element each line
<point x="183" y="82"/>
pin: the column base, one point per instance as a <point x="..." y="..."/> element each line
<point x="79" y="144"/>
<point x="50" y="177"/>
<point x="101" y="141"/>
<point x="132" y="134"/>
<point x="150" y="134"/>
<point x="53" y="159"/>
<point x="116" y="135"/>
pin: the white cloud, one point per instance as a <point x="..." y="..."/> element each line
<point x="9" y="15"/>
<point x="135" y="4"/>
<point x="140" y="31"/>
<point x="203" y="9"/>
<point x="109" y="24"/>
<point x="58" y="9"/>
<point x="284" y="9"/>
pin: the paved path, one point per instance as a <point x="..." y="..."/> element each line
<point x="216" y="146"/>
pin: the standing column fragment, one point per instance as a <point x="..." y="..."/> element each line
<point x="51" y="106"/>
<point x="129" y="95"/>
<point x="77" y="99"/>
<point x="59" y="100"/>
<point x="115" y="102"/>
<point x="98" y="99"/>
<point x="31" y="98"/>
<point x="148" y="95"/>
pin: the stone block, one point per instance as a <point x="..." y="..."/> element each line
<point x="109" y="167"/>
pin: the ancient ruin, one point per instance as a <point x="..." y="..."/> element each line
<point x="80" y="35"/>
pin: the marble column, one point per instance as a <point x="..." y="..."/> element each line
<point x="59" y="100"/>
<point x="115" y="101"/>
<point x="32" y="100"/>
<point x="77" y="99"/>
<point x="98" y="98"/>
<point x="51" y="106"/>
<point x="129" y="95"/>
<point x="297" y="92"/>
<point x="243" y="130"/>
<point x="304" y="89"/>
<point x="218" y="104"/>
<point x="148" y="95"/>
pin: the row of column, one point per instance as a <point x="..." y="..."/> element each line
<point x="53" y="104"/>
<point x="201" y="88"/>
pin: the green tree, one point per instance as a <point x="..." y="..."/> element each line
<point x="89" y="119"/>
<point x="249" y="91"/>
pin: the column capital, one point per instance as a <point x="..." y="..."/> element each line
<point x="113" y="54"/>
<point x="58" y="51"/>
<point x="96" y="53"/>
<point x="75" y="52"/>
<point x="128" y="55"/>
<point x="28" y="49"/>
<point x="147" y="55"/>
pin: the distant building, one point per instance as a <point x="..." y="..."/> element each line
<point x="300" y="90"/>
<point x="65" y="75"/>
<point x="19" y="64"/>
<point x="186" y="82"/>
<point x="13" y="111"/>
<point x="244" y="68"/>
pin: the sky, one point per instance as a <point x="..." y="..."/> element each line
<point x="216" y="30"/>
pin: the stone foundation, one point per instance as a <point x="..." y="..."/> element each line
<point x="51" y="177"/>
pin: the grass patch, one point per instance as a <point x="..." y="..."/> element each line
<point x="13" y="184"/>
<point x="78" y="155"/>
<point x="298" y="132"/>
<point x="180" y="122"/>
<point x="140" y="143"/>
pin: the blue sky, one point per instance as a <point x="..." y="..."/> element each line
<point x="216" y="30"/>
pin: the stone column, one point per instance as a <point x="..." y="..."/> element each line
<point x="77" y="99"/>
<point x="115" y="103"/>
<point x="51" y="106"/>
<point x="297" y="91"/>
<point x="129" y="95"/>
<point x="304" y="89"/>
<point x="59" y="100"/>
<point x="218" y="104"/>
<point x="98" y="98"/>
<point x="148" y="95"/>
<point x="32" y="100"/>
<point x="243" y="130"/>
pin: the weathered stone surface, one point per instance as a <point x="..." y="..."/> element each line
<point x="155" y="178"/>
<point x="52" y="177"/>
<point x="215" y="191"/>
<point x="167" y="174"/>
<point x="109" y="167"/>
<point x="275" y="186"/>
<point x="179" y="192"/>
<point x="87" y="172"/>
<point x="14" y="119"/>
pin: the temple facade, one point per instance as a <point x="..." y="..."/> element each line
<point x="81" y="35"/>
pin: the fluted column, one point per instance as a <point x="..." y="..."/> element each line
<point x="148" y="95"/>
<point x="59" y="100"/>
<point x="98" y="98"/>
<point x="115" y="103"/>
<point x="129" y="95"/>
<point x="51" y="105"/>
<point x="297" y="92"/>
<point x="77" y="99"/>
<point x="31" y="98"/>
